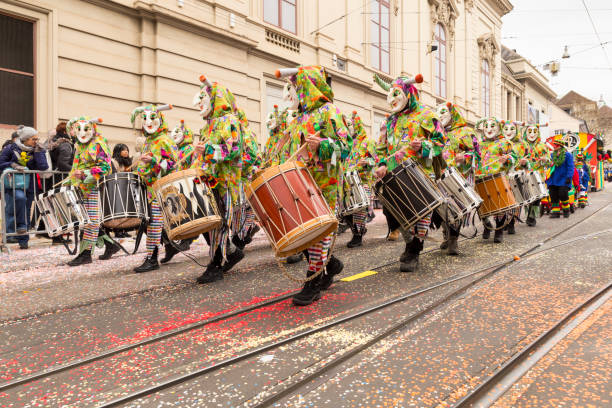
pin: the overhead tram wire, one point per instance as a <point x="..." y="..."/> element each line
<point x="341" y="17"/>
<point x="597" y="33"/>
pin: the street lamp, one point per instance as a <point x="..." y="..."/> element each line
<point x="565" y="53"/>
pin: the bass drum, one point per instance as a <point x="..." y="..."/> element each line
<point x="123" y="201"/>
<point x="496" y="193"/>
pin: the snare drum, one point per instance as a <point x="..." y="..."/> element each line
<point x="538" y="185"/>
<point x="123" y="201"/>
<point x="290" y="208"/>
<point x="496" y="194"/>
<point x="408" y="193"/>
<point x="520" y="187"/>
<point x="461" y="199"/>
<point x="62" y="210"/>
<point x="355" y="196"/>
<point x="187" y="203"/>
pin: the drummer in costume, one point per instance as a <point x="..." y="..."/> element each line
<point x="158" y="159"/>
<point x="413" y="131"/>
<point x="520" y="149"/>
<point x="496" y="156"/>
<point x="362" y="158"/>
<point x="310" y="92"/>
<point x="559" y="180"/>
<point x="584" y="175"/>
<point x="276" y="124"/>
<point x="220" y="154"/>
<point x="539" y="160"/>
<point x="182" y="136"/>
<point x="459" y="152"/>
<point x="92" y="160"/>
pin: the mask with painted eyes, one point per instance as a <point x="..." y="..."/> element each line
<point x="150" y="121"/>
<point x="350" y="125"/>
<point x="533" y="133"/>
<point x="177" y="135"/>
<point x="444" y="114"/>
<point x="84" y="131"/>
<point x="290" y="96"/>
<point x="202" y="101"/>
<point x="271" y="122"/>
<point x="491" y="129"/>
<point x="397" y="99"/>
<point x="509" y="131"/>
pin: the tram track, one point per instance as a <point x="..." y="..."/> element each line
<point x="486" y="272"/>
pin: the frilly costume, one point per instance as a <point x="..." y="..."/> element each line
<point x="490" y="152"/>
<point x="461" y="139"/>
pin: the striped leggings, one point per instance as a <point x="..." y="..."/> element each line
<point x="154" y="229"/>
<point x="359" y="218"/>
<point x="90" y="231"/>
<point x="318" y="254"/>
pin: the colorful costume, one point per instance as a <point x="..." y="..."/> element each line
<point x="183" y="138"/>
<point x="93" y="159"/>
<point x="539" y="160"/>
<point x="560" y="180"/>
<point x="317" y="113"/>
<point x="276" y="123"/>
<point x="164" y="157"/>
<point x="520" y="150"/>
<point x="584" y="175"/>
<point x="411" y="121"/>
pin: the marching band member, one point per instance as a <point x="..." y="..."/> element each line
<point x="413" y="131"/>
<point x="510" y="131"/>
<point x="496" y="156"/>
<point x="560" y="179"/>
<point x="459" y="152"/>
<point x="584" y="174"/>
<point x="539" y="160"/>
<point x="220" y="154"/>
<point x="183" y="139"/>
<point x="328" y="147"/>
<point x="392" y="234"/>
<point x="92" y="160"/>
<point x="158" y="159"/>
<point x="276" y="124"/>
<point x="362" y="158"/>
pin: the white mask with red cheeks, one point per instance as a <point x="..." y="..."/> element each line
<point x="271" y="122"/>
<point x="532" y="133"/>
<point x="444" y="114"/>
<point x="177" y="135"/>
<point x="84" y="131"/>
<point x="509" y="131"/>
<point x="290" y="96"/>
<point x="151" y="121"/>
<point x="397" y="99"/>
<point x="491" y="129"/>
<point x="202" y="100"/>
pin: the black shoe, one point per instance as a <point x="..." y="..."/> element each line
<point x="486" y="233"/>
<point x="406" y="254"/>
<point x="555" y="215"/>
<point x="311" y="292"/>
<point x="109" y="250"/>
<point x="212" y="273"/>
<point x="150" y="263"/>
<point x="566" y="213"/>
<point x="185" y="244"/>
<point x="23" y="245"/>
<point x="531" y="222"/>
<point x="240" y="244"/>
<point x="510" y="229"/>
<point x="334" y="267"/>
<point x="572" y="209"/>
<point x="342" y="227"/>
<point x="82" y="259"/>
<point x="294" y="258"/>
<point x="355" y="242"/>
<point x="498" y="238"/>
<point x="233" y="259"/>
<point x="249" y="238"/>
<point x="453" y="248"/>
<point x="410" y="264"/>
<point x="169" y="251"/>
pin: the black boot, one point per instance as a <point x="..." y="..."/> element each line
<point x="342" y="227"/>
<point x="531" y="222"/>
<point x="566" y="213"/>
<point x="486" y="233"/>
<point x="110" y="248"/>
<point x="356" y="241"/>
<point x="82" y="259"/>
<point x="169" y="251"/>
<point x="499" y="236"/>
<point x="453" y="248"/>
<point x="212" y="273"/>
<point x="249" y="238"/>
<point x="311" y="292"/>
<point x="233" y="259"/>
<point x="510" y="228"/>
<point x="240" y="244"/>
<point x="334" y="267"/>
<point x="150" y="263"/>
<point x="572" y="209"/>
<point x="409" y="261"/>
<point x="291" y="259"/>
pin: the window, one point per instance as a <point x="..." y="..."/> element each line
<point x="485" y="84"/>
<point x="379" y="35"/>
<point x="281" y="13"/>
<point x="16" y="71"/>
<point x="440" y="61"/>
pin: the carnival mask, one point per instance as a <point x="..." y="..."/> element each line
<point x="271" y="122"/>
<point x="202" y="101"/>
<point x="491" y="129"/>
<point x="444" y="114"/>
<point x="151" y="121"/>
<point x="397" y="99"/>
<point x="509" y="131"/>
<point x="177" y="135"/>
<point x="533" y="133"/>
<point x="290" y="96"/>
<point x="350" y="125"/>
<point x="84" y="131"/>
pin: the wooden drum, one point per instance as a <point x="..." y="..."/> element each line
<point x="496" y="194"/>
<point x="290" y="208"/>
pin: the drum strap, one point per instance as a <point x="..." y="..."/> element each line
<point x="139" y="234"/>
<point x="76" y="243"/>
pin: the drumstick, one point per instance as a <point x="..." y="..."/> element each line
<point x="298" y="154"/>
<point x="59" y="182"/>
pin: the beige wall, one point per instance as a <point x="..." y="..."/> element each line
<point x="561" y="120"/>
<point x="103" y="57"/>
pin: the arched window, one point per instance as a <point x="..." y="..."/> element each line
<point x="485" y="84"/>
<point x="440" y="61"/>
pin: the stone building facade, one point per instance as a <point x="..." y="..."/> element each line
<point x="598" y="118"/>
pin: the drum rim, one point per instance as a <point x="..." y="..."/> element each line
<point x="57" y="190"/>
<point x="321" y="219"/>
<point x="177" y="175"/>
<point x="217" y="220"/>
<point x="269" y="174"/>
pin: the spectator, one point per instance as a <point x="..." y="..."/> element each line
<point x="121" y="158"/>
<point x="24" y="154"/>
<point x="10" y="141"/>
<point x="61" y="149"/>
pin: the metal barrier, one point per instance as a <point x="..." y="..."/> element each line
<point x="14" y="199"/>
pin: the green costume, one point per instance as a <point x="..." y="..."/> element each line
<point x="461" y="139"/>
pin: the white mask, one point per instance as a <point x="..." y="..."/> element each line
<point x="202" y="101"/>
<point x="152" y="121"/>
<point x="290" y="96"/>
<point x="509" y="131"/>
<point x="271" y="122"/>
<point x="397" y="99"/>
<point x="444" y="114"/>
<point x="491" y="129"/>
<point x="84" y="131"/>
<point x="533" y="133"/>
<point x="351" y="126"/>
<point x="177" y="135"/>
